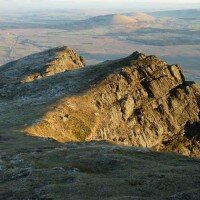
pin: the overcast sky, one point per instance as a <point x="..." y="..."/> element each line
<point x="98" y="4"/>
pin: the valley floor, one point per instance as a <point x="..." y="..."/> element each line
<point x="93" y="45"/>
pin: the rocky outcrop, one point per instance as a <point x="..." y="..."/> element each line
<point x="138" y="100"/>
<point x="40" y="65"/>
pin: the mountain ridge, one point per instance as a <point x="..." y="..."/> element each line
<point x="138" y="100"/>
<point x="84" y="132"/>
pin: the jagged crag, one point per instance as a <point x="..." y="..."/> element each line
<point x="137" y="101"/>
<point x="134" y="101"/>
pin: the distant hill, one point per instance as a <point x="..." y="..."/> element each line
<point x="114" y="20"/>
<point x="141" y="17"/>
<point x="187" y="14"/>
<point x="122" y="19"/>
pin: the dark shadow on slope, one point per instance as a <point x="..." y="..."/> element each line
<point x="76" y="81"/>
<point x="192" y="130"/>
<point x="25" y="103"/>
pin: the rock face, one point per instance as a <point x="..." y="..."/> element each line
<point x="138" y="100"/>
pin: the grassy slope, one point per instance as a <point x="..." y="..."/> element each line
<point x="97" y="170"/>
